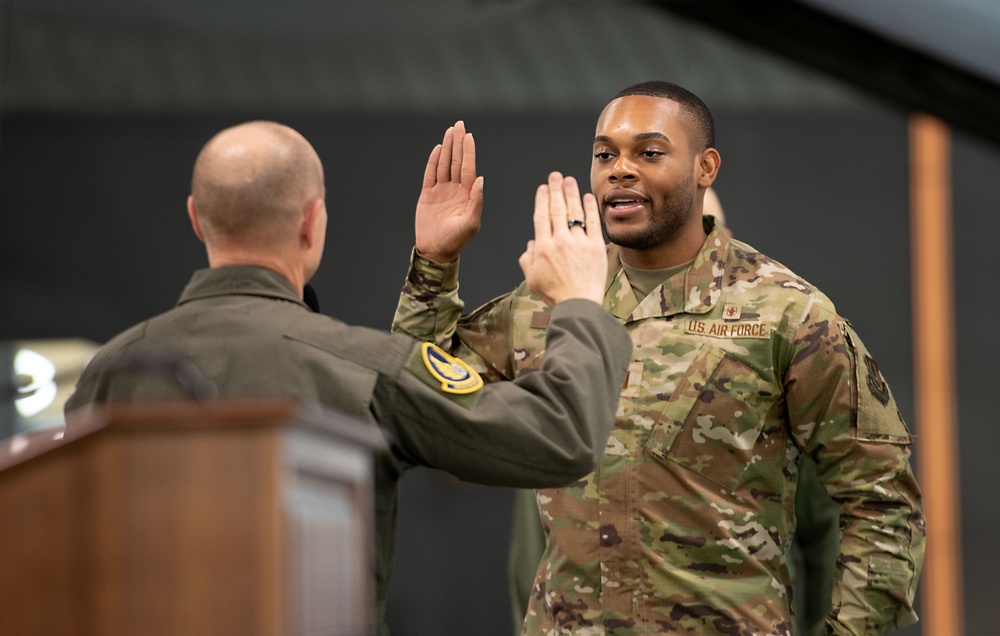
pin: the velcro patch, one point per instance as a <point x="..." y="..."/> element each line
<point x="454" y="375"/>
<point x="719" y="329"/>
<point x="878" y="418"/>
<point x="540" y="319"/>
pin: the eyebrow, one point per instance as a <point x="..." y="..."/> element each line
<point x="639" y="137"/>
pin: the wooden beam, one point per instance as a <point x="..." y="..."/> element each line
<point x="934" y="373"/>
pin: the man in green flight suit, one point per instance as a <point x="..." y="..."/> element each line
<point x="739" y="368"/>
<point x="258" y="203"/>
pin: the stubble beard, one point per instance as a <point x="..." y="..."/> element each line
<point x="665" y="222"/>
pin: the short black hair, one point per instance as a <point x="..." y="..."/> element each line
<point x="688" y="100"/>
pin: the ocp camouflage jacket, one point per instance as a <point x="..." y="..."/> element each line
<point x="739" y="367"/>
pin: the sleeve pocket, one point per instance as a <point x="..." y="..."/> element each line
<point x="888" y="590"/>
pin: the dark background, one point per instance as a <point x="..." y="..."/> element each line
<point x="96" y="238"/>
<point x="95" y="169"/>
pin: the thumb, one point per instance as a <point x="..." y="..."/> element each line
<point x="475" y="204"/>
<point x="527" y="258"/>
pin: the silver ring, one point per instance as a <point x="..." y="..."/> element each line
<point x="577" y="223"/>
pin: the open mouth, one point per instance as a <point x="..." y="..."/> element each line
<point x="624" y="201"/>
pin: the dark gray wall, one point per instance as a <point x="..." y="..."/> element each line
<point x="95" y="237"/>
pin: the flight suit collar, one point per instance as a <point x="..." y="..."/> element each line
<point x="695" y="290"/>
<point x="239" y="280"/>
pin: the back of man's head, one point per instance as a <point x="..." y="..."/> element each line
<point x="251" y="183"/>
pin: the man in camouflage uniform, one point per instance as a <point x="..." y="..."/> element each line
<point x="739" y="368"/>
<point x="812" y="556"/>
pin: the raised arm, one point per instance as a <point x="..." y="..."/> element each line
<point x="547" y="427"/>
<point x="447" y="217"/>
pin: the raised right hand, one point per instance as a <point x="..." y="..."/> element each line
<point x="451" y="201"/>
<point x="565" y="262"/>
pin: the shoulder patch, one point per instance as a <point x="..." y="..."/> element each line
<point x="878" y="418"/>
<point x="454" y="374"/>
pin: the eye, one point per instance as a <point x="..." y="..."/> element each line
<point x="651" y="154"/>
<point x="602" y="155"/>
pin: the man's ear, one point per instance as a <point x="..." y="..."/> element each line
<point x="708" y="167"/>
<point x="193" y="215"/>
<point x="310" y="220"/>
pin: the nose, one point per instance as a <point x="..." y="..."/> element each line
<point x="622" y="170"/>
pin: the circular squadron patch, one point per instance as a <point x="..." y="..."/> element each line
<point x="454" y="375"/>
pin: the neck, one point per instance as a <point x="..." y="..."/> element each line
<point x="677" y="251"/>
<point x="275" y="262"/>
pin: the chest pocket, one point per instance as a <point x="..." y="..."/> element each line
<point x="713" y="422"/>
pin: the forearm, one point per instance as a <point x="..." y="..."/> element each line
<point x="545" y="429"/>
<point x="882" y="543"/>
<point x="846" y="419"/>
<point x="430" y="310"/>
<point x="429" y="306"/>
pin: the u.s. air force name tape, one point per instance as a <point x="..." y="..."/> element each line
<point x="454" y="375"/>
<point x="718" y="329"/>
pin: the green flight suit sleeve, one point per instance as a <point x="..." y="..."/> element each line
<point x="542" y="430"/>
<point x="844" y="417"/>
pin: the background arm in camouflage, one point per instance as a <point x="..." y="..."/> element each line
<point x="430" y="310"/>
<point x="429" y="306"/>
<point x="843" y="415"/>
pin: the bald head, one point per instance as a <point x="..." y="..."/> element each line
<point x="252" y="182"/>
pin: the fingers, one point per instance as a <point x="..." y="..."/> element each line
<point x="542" y="217"/>
<point x="457" y="151"/>
<point x="430" y="172"/>
<point x="468" y="167"/>
<point x="444" y="160"/>
<point x="592" y="217"/>
<point x="455" y="162"/>
<point x="557" y="203"/>
<point x="574" y="209"/>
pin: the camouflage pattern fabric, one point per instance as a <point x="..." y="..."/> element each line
<point x="811" y="560"/>
<point x="739" y="367"/>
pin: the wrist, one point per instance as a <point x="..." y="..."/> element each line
<point x="432" y="276"/>
<point x="437" y="257"/>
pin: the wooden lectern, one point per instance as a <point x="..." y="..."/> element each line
<point x="235" y="518"/>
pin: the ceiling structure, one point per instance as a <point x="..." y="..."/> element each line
<point x="937" y="56"/>
<point x="190" y="55"/>
<point x="155" y="55"/>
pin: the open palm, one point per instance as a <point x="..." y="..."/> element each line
<point x="450" y="207"/>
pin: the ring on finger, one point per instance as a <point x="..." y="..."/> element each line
<point x="577" y="223"/>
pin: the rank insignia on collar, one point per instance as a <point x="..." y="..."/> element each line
<point x="454" y="375"/>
